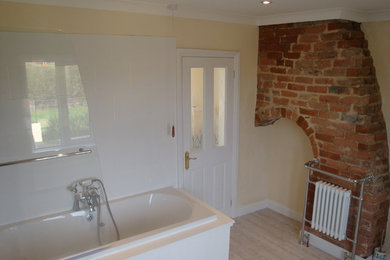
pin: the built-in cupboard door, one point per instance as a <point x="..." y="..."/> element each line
<point x="208" y="129"/>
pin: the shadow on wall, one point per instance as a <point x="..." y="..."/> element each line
<point x="287" y="151"/>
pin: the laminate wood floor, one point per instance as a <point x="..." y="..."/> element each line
<point x="266" y="234"/>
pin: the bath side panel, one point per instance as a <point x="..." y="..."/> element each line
<point x="211" y="244"/>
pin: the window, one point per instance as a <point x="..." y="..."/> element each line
<point x="58" y="106"/>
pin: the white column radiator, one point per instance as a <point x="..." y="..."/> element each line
<point x="331" y="209"/>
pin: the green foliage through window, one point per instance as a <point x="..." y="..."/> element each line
<point x="58" y="107"/>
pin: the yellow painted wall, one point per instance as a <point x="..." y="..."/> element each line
<point x="288" y="148"/>
<point x="378" y="36"/>
<point x="189" y="33"/>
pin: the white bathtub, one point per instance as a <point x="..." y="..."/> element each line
<point x="141" y="219"/>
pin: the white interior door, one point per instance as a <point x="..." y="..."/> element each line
<point x="208" y="129"/>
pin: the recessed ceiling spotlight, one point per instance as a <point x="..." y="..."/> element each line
<point x="265" y="2"/>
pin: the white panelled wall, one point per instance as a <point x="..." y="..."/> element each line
<point x="129" y="83"/>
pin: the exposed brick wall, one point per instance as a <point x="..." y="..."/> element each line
<point x="321" y="75"/>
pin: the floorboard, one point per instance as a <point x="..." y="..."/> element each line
<point x="266" y="234"/>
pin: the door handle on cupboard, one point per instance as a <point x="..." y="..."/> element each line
<point x="187" y="159"/>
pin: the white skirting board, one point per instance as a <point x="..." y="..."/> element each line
<point x="315" y="241"/>
<point x="247" y="209"/>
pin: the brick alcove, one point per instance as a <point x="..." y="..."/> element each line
<point x="321" y="75"/>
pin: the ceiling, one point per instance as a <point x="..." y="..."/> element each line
<point x="243" y="11"/>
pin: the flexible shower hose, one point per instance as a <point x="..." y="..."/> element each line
<point x="109" y="211"/>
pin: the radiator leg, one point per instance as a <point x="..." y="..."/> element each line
<point x="302" y="240"/>
<point x="306" y="238"/>
<point x="355" y="237"/>
<point x="348" y="256"/>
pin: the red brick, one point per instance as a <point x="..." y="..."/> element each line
<point x="304" y="80"/>
<point x="285" y="93"/>
<point x="263" y="69"/>
<point x="317" y="89"/>
<point x="330" y="155"/>
<point x="267" y="84"/>
<point x="271" y="40"/>
<point x="289" y="39"/>
<point x="328" y="115"/>
<point x="274" y="55"/>
<point x="292" y="55"/>
<point x="323" y="81"/>
<point x="298" y="103"/>
<point x="309" y="131"/>
<point x="334" y="36"/>
<point x="316" y="29"/>
<point x="351" y="44"/>
<point x="362" y="155"/>
<point x="289" y="63"/>
<point x="326" y="138"/>
<point x="339" y="108"/>
<point x="285" y="78"/>
<point x="332" y="132"/>
<point x="327" y="54"/>
<point x="323" y="64"/>
<point x="336" y="164"/>
<point x="290" y="31"/>
<point x="346" y="143"/>
<point x="329" y="99"/>
<point x="311" y="56"/>
<point x="318" y="106"/>
<point x="381" y="136"/>
<point x="355" y="100"/>
<point x="308" y="38"/>
<point x="280" y="85"/>
<point x="300" y="47"/>
<point x="334" y="148"/>
<point x="266" y="34"/>
<point x="278" y="70"/>
<point x="308" y="112"/>
<point x="358" y="72"/>
<point x="357" y="35"/>
<point x="368" y="128"/>
<point x="370" y="147"/>
<point x="335" y="72"/>
<point x="345" y="126"/>
<point x="296" y="87"/>
<point x="344" y="63"/>
<point x="302" y="122"/>
<point x="361" y="138"/>
<point x="340" y="25"/>
<point x="281" y="101"/>
<point x="268" y="62"/>
<point x="348" y="53"/>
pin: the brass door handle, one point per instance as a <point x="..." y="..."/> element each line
<point x="187" y="159"/>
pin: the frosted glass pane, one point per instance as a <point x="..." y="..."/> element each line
<point x="219" y="106"/>
<point x="196" y="108"/>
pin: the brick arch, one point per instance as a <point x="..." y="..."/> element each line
<point x="321" y="75"/>
<point x="275" y="113"/>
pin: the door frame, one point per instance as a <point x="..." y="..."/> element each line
<point x="182" y="53"/>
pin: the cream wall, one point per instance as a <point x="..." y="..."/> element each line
<point x="287" y="150"/>
<point x="378" y="36"/>
<point x="189" y="33"/>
